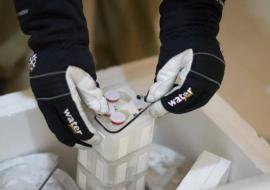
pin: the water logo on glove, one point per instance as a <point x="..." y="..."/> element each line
<point x="181" y="97"/>
<point x="72" y="123"/>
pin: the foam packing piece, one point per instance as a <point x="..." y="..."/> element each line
<point x="209" y="171"/>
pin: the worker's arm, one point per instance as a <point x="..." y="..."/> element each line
<point x="62" y="71"/>
<point x="190" y="52"/>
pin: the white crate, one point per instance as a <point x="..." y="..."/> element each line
<point x="87" y="181"/>
<point x="136" y="135"/>
<point x="114" y="172"/>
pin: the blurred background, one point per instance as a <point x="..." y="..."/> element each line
<point x="124" y="30"/>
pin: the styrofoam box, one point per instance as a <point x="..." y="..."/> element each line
<point x="217" y="128"/>
<point x="114" y="172"/>
<point x="87" y="181"/>
<point x="136" y="135"/>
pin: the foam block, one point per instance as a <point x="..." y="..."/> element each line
<point x="208" y="171"/>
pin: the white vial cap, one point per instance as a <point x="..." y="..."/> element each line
<point x="118" y="118"/>
<point x="112" y="96"/>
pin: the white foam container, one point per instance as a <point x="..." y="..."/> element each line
<point x="217" y="128"/>
<point x="87" y="181"/>
<point x="111" y="173"/>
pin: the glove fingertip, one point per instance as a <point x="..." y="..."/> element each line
<point x="189" y="51"/>
<point x="81" y="147"/>
<point x="96" y="139"/>
<point x="104" y="107"/>
<point x="157" y="110"/>
<point x="149" y="98"/>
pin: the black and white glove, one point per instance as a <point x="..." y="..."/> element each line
<point x="191" y="66"/>
<point x="62" y="71"/>
<point x="62" y="82"/>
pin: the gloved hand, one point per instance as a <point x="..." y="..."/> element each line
<point x="62" y="71"/>
<point x="191" y="66"/>
<point x="62" y="81"/>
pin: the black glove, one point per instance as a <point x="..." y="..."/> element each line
<point x="191" y="66"/>
<point x="62" y="72"/>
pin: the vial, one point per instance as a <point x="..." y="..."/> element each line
<point x="118" y="118"/>
<point x="112" y="96"/>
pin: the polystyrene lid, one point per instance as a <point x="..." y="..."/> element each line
<point x="112" y="96"/>
<point x="118" y="118"/>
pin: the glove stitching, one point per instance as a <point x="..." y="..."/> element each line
<point x="209" y="54"/>
<point x="206" y="77"/>
<point x="47" y="74"/>
<point x="54" y="97"/>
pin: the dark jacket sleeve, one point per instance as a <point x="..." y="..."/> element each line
<point x="199" y="18"/>
<point x="53" y="23"/>
<point x="188" y="24"/>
